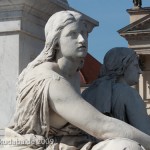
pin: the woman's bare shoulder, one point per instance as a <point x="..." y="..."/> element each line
<point x="49" y="66"/>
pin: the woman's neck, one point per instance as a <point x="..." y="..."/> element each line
<point x="121" y="80"/>
<point x="69" y="67"/>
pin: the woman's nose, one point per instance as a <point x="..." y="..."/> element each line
<point x="81" y="38"/>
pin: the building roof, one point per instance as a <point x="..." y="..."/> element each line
<point x="137" y="34"/>
<point x="90" y="71"/>
<point x="138" y="27"/>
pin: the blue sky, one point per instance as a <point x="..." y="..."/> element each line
<point x="112" y="16"/>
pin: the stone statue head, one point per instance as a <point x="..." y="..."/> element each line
<point x="53" y="29"/>
<point x="121" y="62"/>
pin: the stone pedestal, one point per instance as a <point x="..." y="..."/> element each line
<point x="21" y="38"/>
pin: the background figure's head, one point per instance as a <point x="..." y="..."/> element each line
<point x="121" y="63"/>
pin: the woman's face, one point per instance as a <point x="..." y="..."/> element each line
<point x="74" y="41"/>
<point x="132" y="73"/>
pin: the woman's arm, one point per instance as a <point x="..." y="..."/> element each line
<point x="66" y="102"/>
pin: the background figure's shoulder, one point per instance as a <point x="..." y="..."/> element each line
<point x="91" y="90"/>
<point x="125" y="91"/>
<point x="122" y="87"/>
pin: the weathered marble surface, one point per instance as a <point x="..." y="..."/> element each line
<point x="49" y="102"/>
<point x="8" y="64"/>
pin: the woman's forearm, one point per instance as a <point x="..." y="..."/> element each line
<point x="113" y="128"/>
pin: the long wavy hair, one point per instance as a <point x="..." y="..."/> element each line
<point x="53" y="29"/>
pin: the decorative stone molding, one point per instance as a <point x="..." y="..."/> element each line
<point x="136" y="14"/>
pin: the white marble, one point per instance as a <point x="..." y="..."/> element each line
<point x="30" y="47"/>
<point x="8" y="26"/>
<point x="9" y="58"/>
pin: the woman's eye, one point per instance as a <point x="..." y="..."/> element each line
<point x="73" y="33"/>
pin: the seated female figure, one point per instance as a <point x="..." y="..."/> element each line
<point x="49" y="103"/>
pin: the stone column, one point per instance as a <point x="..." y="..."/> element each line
<point x="21" y="38"/>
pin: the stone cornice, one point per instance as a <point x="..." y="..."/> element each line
<point x="41" y="5"/>
<point x="42" y="9"/>
<point x="28" y="13"/>
<point x="136" y="24"/>
<point x="142" y="51"/>
<point x="144" y="10"/>
<point x="10" y="11"/>
<point x="136" y="36"/>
